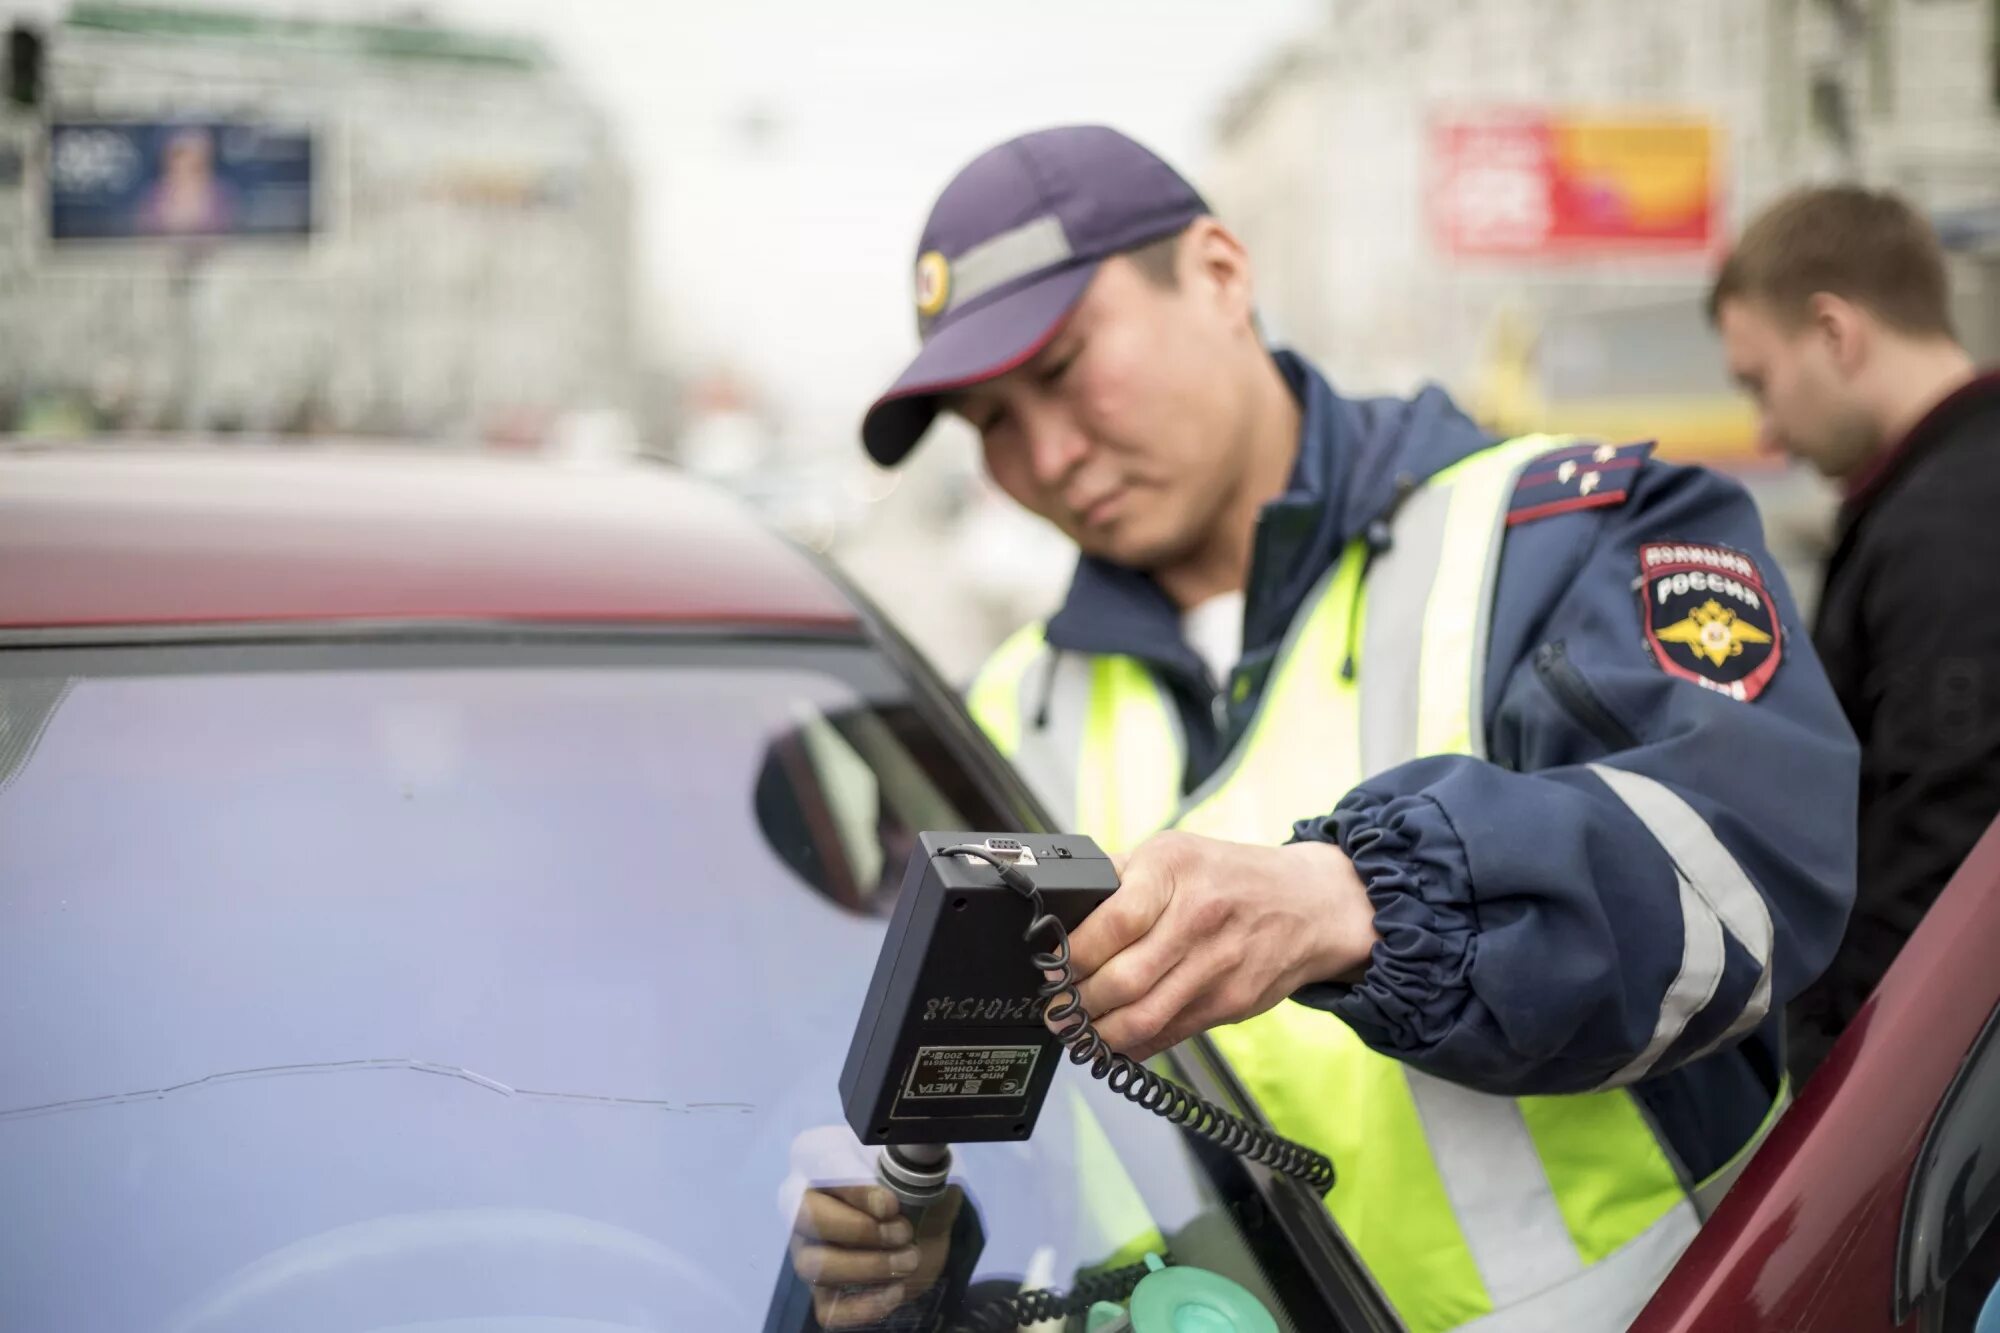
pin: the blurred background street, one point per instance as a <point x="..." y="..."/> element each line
<point x="610" y="228"/>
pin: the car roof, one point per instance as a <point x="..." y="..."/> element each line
<point x="154" y="534"/>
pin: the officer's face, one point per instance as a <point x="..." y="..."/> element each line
<point x="1128" y="430"/>
<point x="1800" y="379"/>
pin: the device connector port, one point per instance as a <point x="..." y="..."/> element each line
<point x="1009" y="850"/>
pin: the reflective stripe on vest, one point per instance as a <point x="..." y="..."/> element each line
<point x="1463" y="1205"/>
<point x="1096" y="739"/>
<point x="993" y="700"/>
<point x="1471" y="1211"/>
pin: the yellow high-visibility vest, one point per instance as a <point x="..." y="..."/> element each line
<point x="1472" y="1211"/>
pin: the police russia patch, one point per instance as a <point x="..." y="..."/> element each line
<point x="1708" y="617"/>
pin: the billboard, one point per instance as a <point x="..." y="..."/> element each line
<point x="1542" y="184"/>
<point x="124" y="180"/>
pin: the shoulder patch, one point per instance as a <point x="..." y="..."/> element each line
<point x="1708" y="617"/>
<point x="1581" y="476"/>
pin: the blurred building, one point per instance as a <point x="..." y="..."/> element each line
<point x="422" y="231"/>
<point x="1373" y="170"/>
<point x="1525" y="199"/>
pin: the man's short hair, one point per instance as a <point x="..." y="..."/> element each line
<point x="1159" y="261"/>
<point x="1865" y="246"/>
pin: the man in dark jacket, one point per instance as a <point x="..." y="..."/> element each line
<point x="1833" y="311"/>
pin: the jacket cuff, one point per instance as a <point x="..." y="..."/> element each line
<point x="1413" y="866"/>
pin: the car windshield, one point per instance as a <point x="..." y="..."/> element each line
<point x="373" y="985"/>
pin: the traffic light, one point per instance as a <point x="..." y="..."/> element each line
<point x="24" y="65"/>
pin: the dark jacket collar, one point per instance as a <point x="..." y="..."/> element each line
<point x="1356" y="458"/>
<point x="1981" y="393"/>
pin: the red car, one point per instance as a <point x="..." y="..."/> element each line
<point x="435" y="893"/>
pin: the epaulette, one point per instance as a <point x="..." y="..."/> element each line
<point x="1577" y="476"/>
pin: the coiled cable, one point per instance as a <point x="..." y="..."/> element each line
<point x="1074" y="1030"/>
<point x="1032" y="1307"/>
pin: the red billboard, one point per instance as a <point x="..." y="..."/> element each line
<point x="1534" y="183"/>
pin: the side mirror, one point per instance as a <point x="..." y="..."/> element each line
<point x="840" y="799"/>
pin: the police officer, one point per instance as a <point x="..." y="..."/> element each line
<point x="1479" y="799"/>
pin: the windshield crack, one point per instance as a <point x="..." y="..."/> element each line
<point x="432" y="1067"/>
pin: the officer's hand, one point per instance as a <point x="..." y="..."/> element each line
<point x="1203" y="932"/>
<point x="861" y="1257"/>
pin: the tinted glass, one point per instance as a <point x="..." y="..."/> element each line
<point x="388" y="986"/>
<point x="1951" y="1223"/>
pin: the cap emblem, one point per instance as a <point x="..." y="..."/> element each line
<point x="933" y="283"/>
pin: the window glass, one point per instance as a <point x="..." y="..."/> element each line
<point x="388" y="986"/>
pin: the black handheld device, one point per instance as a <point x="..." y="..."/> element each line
<point x="974" y="1002"/>
<point x="972" y="1005"/>
<point x="950" y="1046"/>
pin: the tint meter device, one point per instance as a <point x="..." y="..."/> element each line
<point x="950" y="1046"/>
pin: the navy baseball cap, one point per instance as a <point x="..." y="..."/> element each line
<point x="1006" y="253"/>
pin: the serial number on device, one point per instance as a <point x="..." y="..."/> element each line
<point x="997" y="1009"/>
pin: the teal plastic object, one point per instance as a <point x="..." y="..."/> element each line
<point x="1183" y="1300"/>
<point x="1104" y="1317"/>
<point x="1989" y="1317"/>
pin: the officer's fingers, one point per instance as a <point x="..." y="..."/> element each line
<point x="1120" y="920"/>
<point x="1128" y="977"/>
<point x="1193" y="1020"/>
<point x="855" y="1307"/>
<point x="833" y="1265"/>
<point x="1206" y="985"/>
<point x="823" y="1215"/>
<point x="873" y="1200"/>
<point x="1140" y="1029"/>
<point x="1193" y="932"/>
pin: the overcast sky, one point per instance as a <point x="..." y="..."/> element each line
<point x="790" y="253"/>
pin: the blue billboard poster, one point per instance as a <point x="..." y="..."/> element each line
<point x="127" y="180"/>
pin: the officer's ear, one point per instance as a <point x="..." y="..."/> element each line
<point x="1215" y="266"/>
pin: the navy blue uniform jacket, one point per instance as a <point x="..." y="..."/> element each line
<point x="1531" y="922"/>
